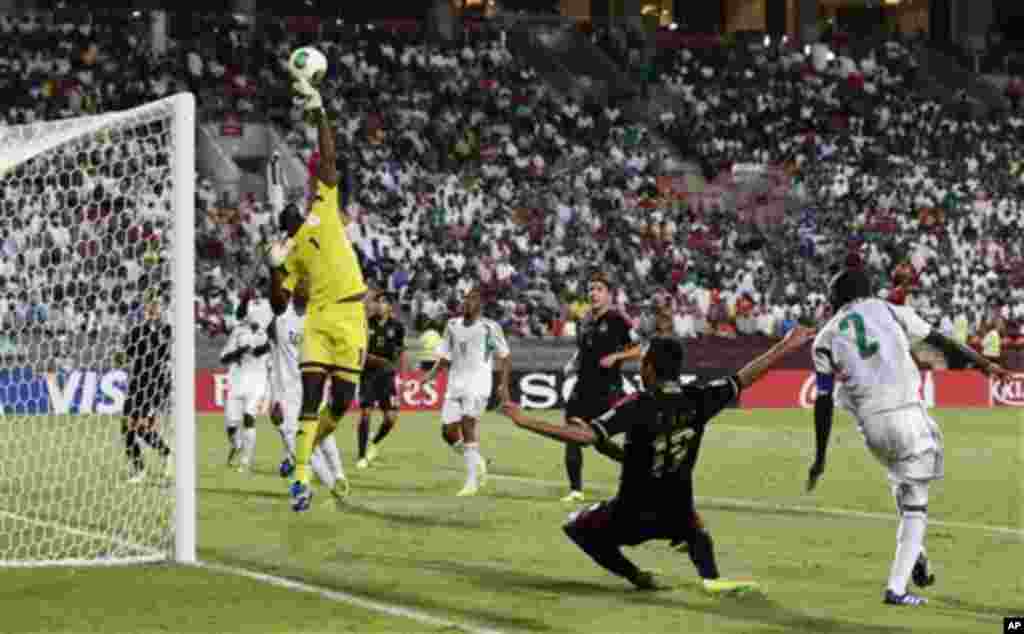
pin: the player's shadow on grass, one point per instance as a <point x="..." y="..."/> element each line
<point x="406" y="519"/>
<point x="762" y="610"/>
<point x="959" y="605"/>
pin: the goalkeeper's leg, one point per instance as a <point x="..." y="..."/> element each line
<point x="306" y="437"/>
<point x="131" y="447"/>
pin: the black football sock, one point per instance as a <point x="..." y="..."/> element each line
<point x="384" y="430"/>
<point x="364" y="434"/>
<point x="574" y="465"/>
<point x="153" y="439"/>
<point x="702" y="554"/>
<point x="133" y="452"/>
<point x="232" y="431"/>
<point x="606" y="554"/>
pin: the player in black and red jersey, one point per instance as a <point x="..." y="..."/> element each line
<point x="664" y="426"/>
<point x="605" y="339"/>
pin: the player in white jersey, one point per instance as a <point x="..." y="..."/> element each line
<point x="245" y="356"/>
<point x="468" y="350"/>
<point x="862" y="355"/>
<point x="285" y="333"/>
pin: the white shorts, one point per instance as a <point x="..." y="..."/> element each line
<point x="907" y="441"/>
<point x="249" y="403"/>
<point x="456" y="408"/>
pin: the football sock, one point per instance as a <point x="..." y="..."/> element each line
<point x="304" y="440"/>
<point x="133" y="452"/>
<point x="153" y="439"/>
<point x="702" y="554"/>
<point x="606" y="554"/>
<point x="233" y="438"/>
<point x="322" y="468"/>
<point x="384" y="430"/>
<point x="909" y="541"/>
<point x="288" y="438"/>
<point x="574" y="465"/>
<point x="329" y="448"/>
<point x="472" y="458"/>
<point x="364" y="434"/>
<point x="248" y="444"/>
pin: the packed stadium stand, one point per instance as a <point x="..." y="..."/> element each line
<point x="464" y="165"/>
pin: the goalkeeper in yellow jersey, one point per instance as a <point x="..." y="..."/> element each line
<point x="319" y="253"/>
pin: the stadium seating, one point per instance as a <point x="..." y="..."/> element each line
<point x="464" y="166"/>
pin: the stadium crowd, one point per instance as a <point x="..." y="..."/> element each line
<point x="463" y="166"/>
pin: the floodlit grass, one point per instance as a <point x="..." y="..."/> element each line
<point x="499" y="561"/>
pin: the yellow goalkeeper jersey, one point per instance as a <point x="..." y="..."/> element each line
<point x="323" y="255"/>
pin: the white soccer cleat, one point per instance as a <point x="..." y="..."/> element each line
<point x="244" y="467"/>
<point x="341" y="489"/>
<point x="470" y="489"/>
<point x="137" y="477"/>
<point x="371" y="453"/>
<point x="362" y="464"/>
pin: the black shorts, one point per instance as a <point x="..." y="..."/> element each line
<point x="378" y="389"/>
<point x="612" y="522"/>
<point x="589" y="406"/>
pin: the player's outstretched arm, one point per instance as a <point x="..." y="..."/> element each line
<point x="965" y="354"/>
<point x="578" y="432"/>
<point x="754" y="370"/>
<point x="328" y="169"/>
<point x="279" y="295"/>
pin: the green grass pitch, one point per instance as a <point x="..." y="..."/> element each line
<point x="499" y="561"/>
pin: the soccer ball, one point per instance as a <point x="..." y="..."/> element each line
<point x="308" y="63"/>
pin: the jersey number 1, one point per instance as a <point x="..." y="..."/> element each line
<point x="865" y="346"/>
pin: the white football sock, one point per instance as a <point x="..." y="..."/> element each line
<point x="472" y="457"/>
<point x="909" y="543"/>
<point x="321" y="468"/>
<point x="330" y="450"/>
<point x="288" y="438"/>
<point x="248" y="444"/>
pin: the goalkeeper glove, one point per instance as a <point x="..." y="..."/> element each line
<point x="310" y="96"/>
<point x="278" y="252"/>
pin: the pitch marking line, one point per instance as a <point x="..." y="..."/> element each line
<point x="338" y="596"/>
<point x="754" y="505"/>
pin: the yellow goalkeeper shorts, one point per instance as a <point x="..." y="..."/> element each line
<point x="335" y="340"/>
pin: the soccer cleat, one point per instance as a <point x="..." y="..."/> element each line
<point x="232" y="454"/>
<point x="725" y="587"/>
<point x="341" y="489"/>
<point x="922" y="574"/>
<point x="301" y="495"/>
<point x="371" y="453"/>
<point x="137" y="476"/>
<point x="362" y="464"/>
<point x="286" y="468"/>
<point x="574" y="496"/>
<point x="470" y="489"/>
<point x="908" y="599"/>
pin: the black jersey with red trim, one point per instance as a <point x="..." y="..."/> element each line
<point x="598" y="338"/>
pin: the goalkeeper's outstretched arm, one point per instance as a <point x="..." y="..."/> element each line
<point x="328" y="169"/>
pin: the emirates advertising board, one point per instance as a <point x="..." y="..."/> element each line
<point x="24" y="391"/>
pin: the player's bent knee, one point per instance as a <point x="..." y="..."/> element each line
<point x="451" y="433"/>
<point x="248" y="421"/>
<point x="343" y="392"/>
<point x="911" y="496"/>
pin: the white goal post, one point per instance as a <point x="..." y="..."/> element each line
<point x="97" y="249"/>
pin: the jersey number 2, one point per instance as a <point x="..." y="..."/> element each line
<point x="865" y="346"/>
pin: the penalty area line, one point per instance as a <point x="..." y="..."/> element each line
<point x="391" y="609"/>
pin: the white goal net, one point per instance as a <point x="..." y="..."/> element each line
<point x="96" y="346"/>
